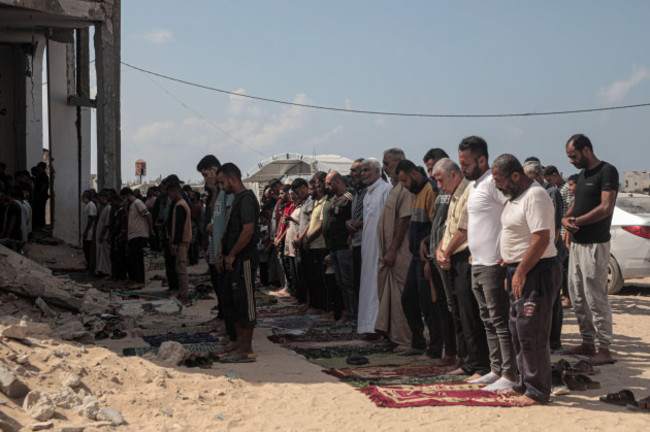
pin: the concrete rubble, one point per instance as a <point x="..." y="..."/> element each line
<point x="10" y="384"/>
<point x="172" y="353"/>
<point x="39" y="405"/>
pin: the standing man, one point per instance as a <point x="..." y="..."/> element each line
<point x="533" y="274"/>
<point x="315" y="243"/>
<point x="452" y="254"/>
<point x="355" y="224"/>
<point x="484" y="207"/>
<point x="140" y="226"/>
<point x="41" y="195"/>
<point x="302" y="190"/>
<point x="394" y="259"/>
<point x="88" y="216"/>
<point x="417" y="299"/>
<point x="373" y="202"/>
<point x="340" y="253"/>
<point x="179" y="239"/>
<point x="589" y="221"/>
<point x="241" y="256"/>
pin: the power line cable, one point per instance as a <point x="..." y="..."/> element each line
<point x="389" y="113"/>
<point x="205" y="118"/>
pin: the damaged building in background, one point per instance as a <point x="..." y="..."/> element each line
<point x="55" y="35"/>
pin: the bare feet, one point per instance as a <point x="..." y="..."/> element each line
<point x="603" y="356"/>
<point x="584" y="349"/>
<point x="524" y="401"/>
<point x="427" y="357"/>
<point x="400" y="348"/>
<point x="473" y="377"/>
<point x="458" y="371"/>
<point x="509" y="392"/>
<point x="445" y="361"/>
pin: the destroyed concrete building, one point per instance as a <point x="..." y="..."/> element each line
<point x="55" y="34"/>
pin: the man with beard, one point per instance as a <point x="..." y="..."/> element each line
<point x="484" y="207"/>
<point x="373" y="202"/>
<point x="589" y="220"/>
<point x="417" y="300"/>
<point x="532" y="276"/>
<point x="394" y="258"/>
<point x="315" y="243"/>
<point x="355" y="224"/>
<point x="452" y="254"/>
<point x="302" y="190"/>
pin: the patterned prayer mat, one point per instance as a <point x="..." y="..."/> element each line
<point x="312" y="336"/>
<point x="400" y="396"/>
<point x="264" y="300"/>
<point x="405" y="380"/>
<point x="279" y="310"/>
<point x="304" y="322"/>
<point x="368" y="372"/>
<point x="183" y="338"/>
<point x="169" y="330"/>
<point x="343" y="351"/>
<point x="198" y="348"/>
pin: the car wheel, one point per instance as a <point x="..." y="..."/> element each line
<point x="614" y="277"/>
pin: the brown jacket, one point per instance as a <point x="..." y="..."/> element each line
<point x="187" y="227"/>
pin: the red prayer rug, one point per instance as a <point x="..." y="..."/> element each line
<point x="400" y="396"/>
<point x="369" y="372"/>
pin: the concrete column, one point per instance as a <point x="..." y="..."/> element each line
<point x="34" y="105"/>
<point x="107" y="63"/>
<point x="64" y="142"/>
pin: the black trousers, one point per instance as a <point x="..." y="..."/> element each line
<point x="136" y="259"/>
<point x="558" y="311"/>
<point x="218" y="285"/>
<point x="118" y="260"/>
<point x="530" y="325"/>
<point x="476" y="358"/>
<point x="442" y="285"/>
<point x="356" y="261"/>
<point x="302" y="259"/>
<point x="417" y="303"/>
<point x="87" y="247"/>
<point x="318" y="291"/>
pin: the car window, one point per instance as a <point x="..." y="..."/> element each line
<point x="634" y="204"/>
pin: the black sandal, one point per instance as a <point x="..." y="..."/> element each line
<point x="622" y="398"/>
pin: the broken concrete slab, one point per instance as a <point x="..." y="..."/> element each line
<point x="66" y="398"/>
<point x="70" y="379"/>
<point x="15" y="332"/>
<point x="26" y="278"/>
<point x="172" y="353"/>
<point x="41" y="426"/>
<point x="39" y="405"/>
<point x="96" y="302"/>
<point x="10" y="385"/>
<point x="112" y="415"/>
<point x="45" y="308"/>
<point x="89" y="408"/>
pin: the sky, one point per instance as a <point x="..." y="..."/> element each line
<point x="435" y="57"/>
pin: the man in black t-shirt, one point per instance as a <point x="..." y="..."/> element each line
<point x="337" y="238"/>
<point x="588" y="222"/>
<point x="239" y="246"/>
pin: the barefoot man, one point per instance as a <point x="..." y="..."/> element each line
<point x="532" y="275"/>
<point x="241" y="257"/>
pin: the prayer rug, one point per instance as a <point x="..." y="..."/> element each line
<point x="401" y="396"/>
<point x="406" y="380"/>
<point x="312" y="336"/>
<point x="279" y="310"/>
<point x="264" y="300"/>
<point x="183" y="338"/>
<point x="171" y="330"/>
<point x="290" y="322"/>
<point x="368" y="372"/>
<point x="197" y="348"/>
<point x="343" y="351"/>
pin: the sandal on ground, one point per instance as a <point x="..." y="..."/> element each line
<point x="581" y="367"/>
<point x="237" y="357"/>
<point x="621" y="398"/>
<point x="640" y="405"/>
<point x="581" y="382"/>
<point x="356" y="359"/>
<point x="118" y="334"/>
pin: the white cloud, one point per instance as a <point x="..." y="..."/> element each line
<point x="618" y="90"/>
<point x="157" y="36"/>
<point x="326" y="138"/>
<point x="348" y="104"/>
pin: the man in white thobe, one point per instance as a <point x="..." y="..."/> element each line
<point x="373" y="203"/>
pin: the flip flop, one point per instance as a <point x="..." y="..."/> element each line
<point x="237" y="358"/>
<point x="622" y="398"/>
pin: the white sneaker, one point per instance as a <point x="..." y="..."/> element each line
<point x="502" y="384"/>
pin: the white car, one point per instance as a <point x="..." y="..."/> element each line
<point x="630" y="246"/>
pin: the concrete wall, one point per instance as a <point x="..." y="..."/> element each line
<point x="69" y="145"/>
<point x="7" y="106"/>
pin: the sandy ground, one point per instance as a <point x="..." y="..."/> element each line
<point x="282" y="391"/>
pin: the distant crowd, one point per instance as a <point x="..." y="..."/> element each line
<point x="466" y="263"/>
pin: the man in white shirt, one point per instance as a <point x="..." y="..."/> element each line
<point x="484" y="207"/>
<point x="532" y="276"/>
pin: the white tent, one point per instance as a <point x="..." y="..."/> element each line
<point x="294" y="165"/>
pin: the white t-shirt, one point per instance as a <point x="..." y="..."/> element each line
<point x="531" y="212"/>
<point x="90" y="209"/>
<point x="484" y="207"/>
<point x="137" y="222"/>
